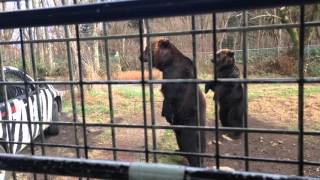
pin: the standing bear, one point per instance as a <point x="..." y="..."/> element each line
<point x="229" y="96"/>
<point x="180" y="101"/>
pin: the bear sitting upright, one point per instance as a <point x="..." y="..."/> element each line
<point x="180" y="104"/>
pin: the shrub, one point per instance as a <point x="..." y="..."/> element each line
<point x="285" y="65"/>
<point x="312" y="66"/>
<point x="136" y="75"/>
<point x="41" y="70"/>
<point x="60" y="69"/>
<point x="315" y="52"/>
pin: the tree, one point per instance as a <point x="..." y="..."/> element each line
<point x="287" y="15"/>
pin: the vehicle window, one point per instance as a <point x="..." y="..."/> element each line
<point x="15" y="90"/>
<point x="12" y="77"/>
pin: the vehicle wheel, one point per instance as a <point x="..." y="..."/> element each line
<point x="4" y="175"/>
<point x="53" y="129"/>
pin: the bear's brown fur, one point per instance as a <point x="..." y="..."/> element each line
<point x="180" y="104"/>
<point x="229" y="96"/>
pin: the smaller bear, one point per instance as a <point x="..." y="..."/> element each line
<point x="229" y="96"/>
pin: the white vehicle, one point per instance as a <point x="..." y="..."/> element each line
<point x="16" y="110"/>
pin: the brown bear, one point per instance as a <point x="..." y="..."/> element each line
<point x="229" y="96"/>
<point x="180" y="104"/>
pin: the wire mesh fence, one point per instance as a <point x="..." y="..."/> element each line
<point x="97" y="119"/>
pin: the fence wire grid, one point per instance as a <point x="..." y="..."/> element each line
<point x="39" y="162"/>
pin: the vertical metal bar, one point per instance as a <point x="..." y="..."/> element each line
<point x="74" y="107"/>
<point x="84" y="125"/>
<point x="106" y="51"/>
<point x="214" y="44"/>
<point x="245" y="86"/>
<point x="145" y="123"/>
<point x="74" y="112"/>
<point x="301" y="93"/>
<point x="24" y="65"/>
<point x="194" y="57"/>
<point x="194" y="44"/>
<point x="80" y="72"/>
<point x="6" y="104"/>
<point x="153" y="120"/>
<point x="35" y="77"/>
<point x="43" y="152"/>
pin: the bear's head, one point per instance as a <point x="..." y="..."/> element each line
<point x="224" y="58"/>
<point x="162" y="51"/>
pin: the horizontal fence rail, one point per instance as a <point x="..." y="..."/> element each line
<point x="191" y="81"/>
<point x="122" y="170"/>
<point x="178" y="33"/>
<point x="131" y="9"/>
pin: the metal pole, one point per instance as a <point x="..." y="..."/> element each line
<point x="301" y="94"/>
<point x="245" y="87"/>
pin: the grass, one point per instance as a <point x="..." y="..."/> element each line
<point x="167" y="142"/>
<point x="131" y="92"/>
<point x="66" y="106"/>
<point x="106" y="133"/>
<point x="96" y="93"/>
<point x="136" y="92"/>
<point x="128" y="99"/>
<point x="127" y="103"/>
<point x="312" y="90"/>
<point x="96" y="105"/>
<point x="127" y="108"/>
<point x="97" y="113"/>
<point x="275" y="90"/>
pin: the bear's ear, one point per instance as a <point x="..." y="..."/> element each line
<point x="231" y="54"/>
<point x="164" y="43"/>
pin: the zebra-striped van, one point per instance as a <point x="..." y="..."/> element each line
<point x="22" y="108"/>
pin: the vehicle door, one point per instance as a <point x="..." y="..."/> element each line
<point x="22" y="127"/>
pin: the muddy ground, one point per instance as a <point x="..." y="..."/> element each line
<point x="265" y="112"/>
<point x="284" y="147"/>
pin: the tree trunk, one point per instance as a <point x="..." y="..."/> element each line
<point x="225" y="25"/>
<point x="312" y="13"/>
<point x="48" y="48"/>
<point x="38" y="48"/>
<point x="293" y="33"/>
<point x="6" y="35"/>
<point x="49" y="53"/>
<point x="96" y="54"/>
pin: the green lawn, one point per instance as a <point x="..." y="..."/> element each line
<point x="127" y="101"/>
<point x="277" y="90"/>
<point x="97" y="102"/>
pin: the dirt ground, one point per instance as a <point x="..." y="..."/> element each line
<point x="282" y="147"/>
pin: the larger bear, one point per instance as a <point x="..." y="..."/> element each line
<point x="180" y="99"/>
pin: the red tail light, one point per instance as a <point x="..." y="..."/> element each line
<point x="13" y="110"/>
